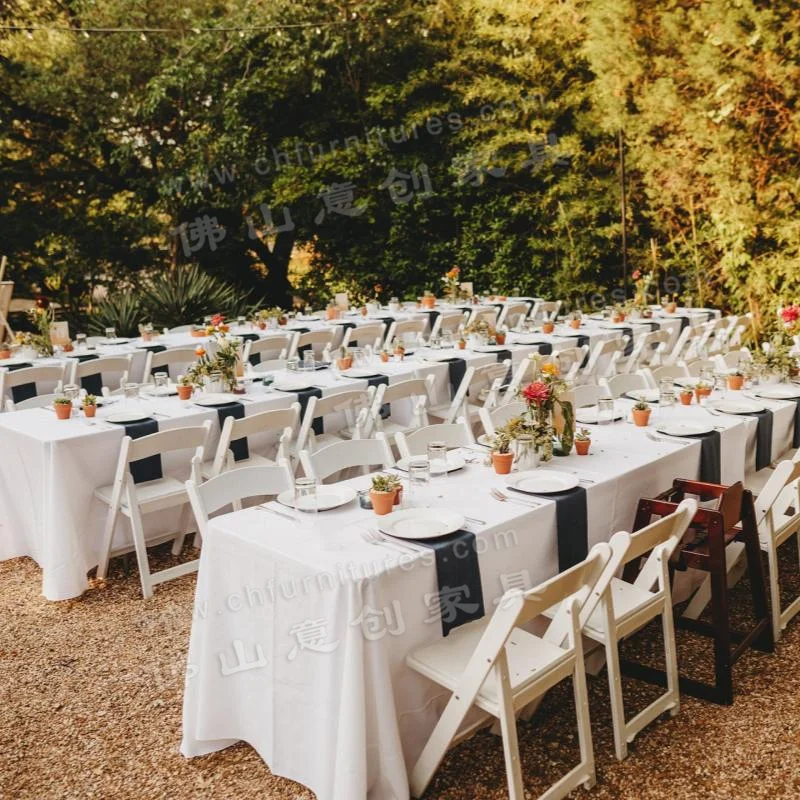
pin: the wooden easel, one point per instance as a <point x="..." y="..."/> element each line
<point x="4" y="326"/>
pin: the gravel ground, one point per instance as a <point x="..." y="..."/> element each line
<point x="91" y="691"/>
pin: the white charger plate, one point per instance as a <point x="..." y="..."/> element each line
<point x="684" y="428"/>
<point x="489" y="348"/>
<point x="648" y="395"/>
<point x="214" y="399"/>
<point x="779" y="392"/>
<point x="445" y="355"/>
<point x="291" y="385"/>
<point x="529" y="339"/>
<point x="359" y="372"/>
<point x="543" y="481"/>
<point x="454" y="462"/>
<point x="737" y="406"/>
<point x="588" y="414"/>
<point x="116" y="341"/>
<point x="420" y="523"/>
<point x="129" y="415"/>
<point x="327" y="497"/>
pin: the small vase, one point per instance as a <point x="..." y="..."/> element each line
<point x="398" y="496"/>
<point x="185" y="392"/>
<point x="344" y="363"/>
<point x="641" y="418"/>
<point x="428" y="302"/>
<point x="462" y="345"/>
<point x="671" y="308"/>
<point x="5" y="354"/>
<point x="686" y="398"/>
<point x="382" y="502"/>
<point x="548" y="327"/>
<point x="575" y="323"/>
<point x="90" y="410"/>
<point x="735" y="382"/>
<point x="701" y="393"/>
<point x="502" y="462"/>
<point x="384" y="357"/>
<point x="500" y="338"/>
<point x="582" y="446"/>
<point x="63" y="410"/>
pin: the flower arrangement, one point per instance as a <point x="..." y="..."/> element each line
<point x="452" y="283"/>
<point x="641" y="282"/>
<point x="480" y="327"/>
<point x="42" y="318"/>
<point x="263" y="316"/>
<point x="217" y="326"/>
<point x="382" y="493"/>
<point x="224" y="361"/>
<point x="777" y="358"/>
<point x="549" y="414"/>
<point x="790" y="315"/>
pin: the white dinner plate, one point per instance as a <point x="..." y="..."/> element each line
<point x="686" y="382"/>
<point x="214" y="399"/>
<point x="648" y="395"/>
<point x="684" y="428"/>
<point x="454" y="462"/>
<point x="304" y="318"/>
<point x="737" y="406"/>
<point x="129" y="415"/>
<point x="162" y="391"/>
<point x="781" y="391"/>
<point x="489" y="348"/>
<point x="116" y="341"/>
<point x="420" y="523"/>
<point x="359" y="372"/>
<point x="543" y="481"/>
<point x="588" y="414"/>
<point x="292" y="384"/>
<point x="445" y="355"/>
<point x="327" y="497"/>
<point x="535" y="339"/>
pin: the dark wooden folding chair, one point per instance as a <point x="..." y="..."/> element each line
<point x="710" y="532"/>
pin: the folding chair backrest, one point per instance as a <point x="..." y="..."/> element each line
<point x="168" y="441"/>
<point x="671" y="371"/>
<point x="401" y="328"/>
<point x="487" y="314"/>
<point x="448" y="323"/>
<point x="350" y="403"/>
<point x="317" y="340"/>
<point x="39" y="401"/>
<point x="52" y="374"/>
<point x="271" y="365"/>
<point x="370" y="334"/>
<point x="497" y="417"/>
<point x="454" y="434"/>
<point x="173" y="361"/>
<point x="343" y="455"/>
<point x="275" y="346"/>
<point x="546" y="309"/>
<point x="784" y="474"/>
<point x="512" y="313"/>
<point x="119" y="366"/>
<point x="603" y="357"/>
<point x="570" y="360"/>
<point x="589" y="395"/>
<point x="618" y="385"/>
<point x="667" y="531"/>
<point x="413" y="387"/>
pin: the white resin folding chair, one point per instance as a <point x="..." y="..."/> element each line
<point x="174" y="362"/>
<point x="448" y="322"/>
<point x="496" y="665"/>
<point x="673" y="330"/>
<point x="230" y="488"/>
<point x="417" y="391"/>
<point x="281" y="422"/>
<point x="695" y="366"/>
<point x="512" y="314"/>
<point x="680" y="345"/>
<point x="407" y="330"/>
<point x="40" y="401"/>
<point x="632" y="606"/>
<point x="545" y="310"/>
<point x="318" y="341"/>
<point x="495" y="418"/>
<point x="453" y="434"/>
<point x="570" y="361"/>
<point x="523" y="372"/>
<point x="644" y="347"/>
<point x="353" y="404"/>
<point x="478" y="384"/>
<point x="673" y="371"/>
<point x="272" y="365"/>
<point x="346" y="455"/>
<point x="370" y="334"/>
<point x="275" y="345"/>
<point x="730" y="361"/>
<point x="47" y="378"/>
<point x="134" y="500"/>
<point x="182" y="329"/>
<point x="619" y="385"/>
<point x="588" y="395"/>
<point x="488" y="315"/>
<point x="603" y="360"/>
<point x="113" y="371"/>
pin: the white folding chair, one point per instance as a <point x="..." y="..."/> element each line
<point x="417" y="391"/>
<point x="480" y="314"/>
<point x="545" y="310"/>
<point x="496" y="665"/>
<point x="272" y="365"/>
<point x="346" y="455"/>
<point x="603" y="360"/>
<point x="619" y="385"/>
<point x="511" y="314"/>
<point x="354" y="404"/>
<point x="281" y="421"/>
<point x="233" y="486"/>
<point x="49" y="377"/>
<point x="370" y="334"/>
<point x="40" y="401"/>
<point x="673" y="371"/>
<point x="448" y="322"/>
<point x="495" y="418"/>
<point x="117" y="366"/>
<point x="453" y="434"/>
<point x="276" y="345"/>
<point x="588" y="395"/>
<point x="174" y="362"/>
<point x="570" y="361"/>
<point x="407" y="330"/>
<point x="135" y="500"/>
<point x="478" y="384"/>
<point x="318" y="341"/>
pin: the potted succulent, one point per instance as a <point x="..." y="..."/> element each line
<point x="63" y="407"/>
<point x="364" y="311"/>
<point x="736" y="381"/>
<point x="502" y="457"/>
<point x="385" y="355"/>
<point x="641" y="414"/>
<point x="398" y="488"/>
<point x="185" y="387"/>
<point x="428" y="300"/>
<point x="686" y="396"/>
<point x="618" y="314"/>
<point x="701" y="390"/>
<point x="548" y="326"/>
<point x="399" y="349"/>
<point x="583" y="440"/>
<point x="462" y="343"/>
<point x="575" y="320"/>
<point x="5" y="350"/>
<point x="382" y="494"/>
<point x="671" y="307"/>
<point x="345" y="359"/>
<point x="331" y="312"/>
<point x="89" y="404"/>
<point x="500" y="337"/>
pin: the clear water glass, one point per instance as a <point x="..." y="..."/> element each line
<point x="80" y="341"/>
<point x="309" y="361"/>
<point x="437" y="461"/>
<point x="666" y="385"/>
<point x="605" y="410"/>
<point x="293" y="364"/>
<point x="111" y="333"/>
<point x="666" y="404"/>
<point x="72" y="392"/>
<point x="130" y="391"/>
<point x="305" y="496"/>
<point x="419" y="478"/>
<point x="241" y="321"/>
<point x="161" y="381"/>
<point x="527" y="455"/>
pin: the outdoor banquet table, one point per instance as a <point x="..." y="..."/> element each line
<point x="50" y="468"/>
<point x="301" y="630"/>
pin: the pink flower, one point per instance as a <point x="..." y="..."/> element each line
<point x="217" y="319"/>
<point x="790" y="314"/>
<point x="536" y="393"/>
<point x="636" y="274"/>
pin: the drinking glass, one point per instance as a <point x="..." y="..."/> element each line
<point x="527" y="455"/>
<point x="437" y="463"/>
<point x="80" y="341"/>
<point x="309" y="362"/>
<point x="130" y="392"/>
<point x="161" y="381"/>
<point x="666" y="385"/>
<point x="419" y="477"/>
<point x="241" y="321"/>
<point x="72" y="392"/>
<point x="214" y="382"/>
<point x="305" y="495"/>
<point x="605" y="410"/>
<point x="111" y="333"/>
<point x="666" y="404"/>
<point x="293" y="364"/>
<point x="447" y="341"/>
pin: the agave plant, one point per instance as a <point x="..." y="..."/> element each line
<point x="121" y="311"/>
<point x="186" y="295"/>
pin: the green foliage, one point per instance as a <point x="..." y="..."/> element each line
<point x="121" y="311"/>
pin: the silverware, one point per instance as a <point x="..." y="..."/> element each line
<point x="504" y="498"/>
<point x="475" y="520"/>
<point x="670" y="440"/>
<point x="265" y="507"/>
<point x="372" y="538"/>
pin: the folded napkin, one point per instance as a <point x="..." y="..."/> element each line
<point x="545" y="348"/>
<point x="796" y="434"/>
<point x="456" y="368"/>
<point x="433" y="314"/>
<point x="13" y="367"/>
<point x="303" y="397"/>
<point x="502" y="355"/>
<point x="685" y="322"/>
<point x="145" y="469"/>
<point x="152" y="348"/>
<point x="572" y="526"/>
<point x="458" y="577"/>
<point x="763" y="438"/>
<point x="238" y="447"/>
<point x="92" y="383"/>
<point x="710" y="460"/>
<point x="84" y="357"/>
<point x="25" y="391"/>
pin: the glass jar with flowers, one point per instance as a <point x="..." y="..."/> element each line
<point x="452" y="284"/>
<point x="550" y="408"/>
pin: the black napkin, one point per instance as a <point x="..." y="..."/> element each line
<point x="13" y="367"/>
<point x="303" y="397"/>
<point x="710" y="459"/>
<point x="458" y="577"/>
<point x="763" y="438"/>
<point x="249" y="337"/>
<point x="456" y="368"/>
<point x="25" y="391"/>
<point x="572" y="526"/>
<point x="629" y="346"/>
<point x="796" y="435"/>
<point x="145" y="469"/>
<point x="238" y="447"/>
<point x="685" y="322"/>
<point x="387" y="323"/>
<point x="351" y="326"/>
<point x="432" y="317"/>
<point x="85" y="357"/>
<point x="502" y="355"/>
<point x="545" y="348"/>
<point x="152" y="348"/>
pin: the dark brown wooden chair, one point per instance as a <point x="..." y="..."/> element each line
<point x="732" y="519"/>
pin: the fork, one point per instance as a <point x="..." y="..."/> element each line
<point x="504" y="498"/>
<point x="671" y="440"/>
<point x="372" y="537"/>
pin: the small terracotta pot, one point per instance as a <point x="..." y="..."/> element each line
<point x="548" y="327"/>
<point x="185" y="392"/>
<point x="90" y="411"/>
<point x="617" y="318"/>
<point x="63" y="410"/>
<point x="344" y="363"/>
<point x="502" y="298"/>
<point x="398" y="496"/>
<point x="68" y="347"/>
<point x="575" y="323"/>
<point x="384" y="357"/>
<point x="671" y="308"/>
<point x="382" y="502"/>
<point x="502" y="462"/>
<point x="735" y="382"/>
<point x="199" y="333"/>
<point x="428" y="302"/>
<point x="582" y="446"/>
<point x="641" y="418"/>
<point x="262" y="325"/>
<point x="4" y="354"/>
<point x="399" y="352"/>
<point x="500" y="338"/>
<point x="700" y="393"/>
<point x="462" y="345"/>
<point x="364" y="311"/>
<point x="686" y="398"/>
<point x="332" y="313"/>
<point x="282" y="320"/>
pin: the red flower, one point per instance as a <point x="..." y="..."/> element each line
<point x="790" y="314"/>
<point x="536" y="393"/>
<point x="217" y="319"/>
<point x="636" y="274"/>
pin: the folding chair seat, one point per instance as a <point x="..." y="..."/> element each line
<point x="453" y="434"/>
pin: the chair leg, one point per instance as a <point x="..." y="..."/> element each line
<point x="615" y="695"/>
<point x="508" y="727"/>
<point x="581" y="695"/>
<point x="183" y="527"/>
<point x="721" y="621"/>
<point x="774" y="591"/>
<point x="671" y="657"/>
<point x="108" y="537"/>
<point x="137" y="531"/>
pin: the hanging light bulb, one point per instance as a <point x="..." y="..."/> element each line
<point x="86" y="34"/>
<point x="142" y="36"/>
